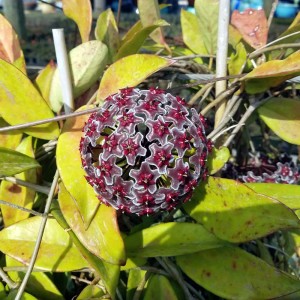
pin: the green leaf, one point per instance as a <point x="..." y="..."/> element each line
<point x="235" y="213"/>
<point x="102" y="233"/>
<point x="293" y="28"/>
<point x="87" y="62"/>
<point x="9" y="139"/>
<point x="237" y="59"/>
<point x="39" y="284"/>
<point x="80" y="11"/>
<point x="57" y="252"/>
<point x="170" y="239"/>
<point x="133" y="30"/>
<point x="13" y="162"/>
<point x="159" y="288"/>
<point x="16" y="194"/>
<point x="208" y="12"/>
<point x="133" y="45"/>
<point x="18" y="97"/>
<point x="149" y="14"/>
<point x="129" y="72"/>
<point x="191" y="32"/>
<point x="217" y="159"/>
<point x="70" y="168"/>
<point x="232" y="273"/>
<point x="287" y="194"/>
<point x="135" y="277"/>
<point x="282" y="115"/>
<point x="107" y="32"/>
<point x="13" y="293"/>
<point x="44" y="80"/>
<point x="90" y="292"/>
<point x="134" y="262"/>
<point x="272" y="73"/>
<point x="108" y="273"/>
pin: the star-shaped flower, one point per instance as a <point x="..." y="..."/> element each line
<point x="179" y="173"/>
<point x="158" y="130"/>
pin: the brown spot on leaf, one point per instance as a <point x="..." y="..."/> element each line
<point x="15" y="189"/>
<point x="225" y="203"/>
<point x="234" y="265"/>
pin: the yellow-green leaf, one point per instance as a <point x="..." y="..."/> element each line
<point x="16" y="194"/>
<point x="191" y="32"/>
<point x="288" y="194"/>
<point x="70" y="169"/>
<point x="39" y="284"/>
<point x="170" y="239"/>
<point x="10" y="49"/>
<point x="237" y="60"/>
<point x="80" y="11"/>
<point x="149" y="14"/>
<point x="13" y="162"/>
<point x="129" y="72"/>
<point x="282" y="115"/>
<point x="91" y="292"/>
<point x="9" y="139"/>
<point x="232" y="273"/>
<point x="159" y="288"/>
<point x="20" y="102"/>
<point x="135" y="277"/>
<point x="208" y="13"/>
<point x="272" y="73"/>
<point x="44" y="80"/>
<point x="133" y="44"/>
<point x="217" y="159"/>
<point x="57" y="252"/>
<point x="87" y="62"/>
<point x="235" y="213"/>
<point x="102" y="233"/>
<point x="106" y="31"/>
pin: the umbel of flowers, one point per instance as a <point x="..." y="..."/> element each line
<point x="143" y="151"/>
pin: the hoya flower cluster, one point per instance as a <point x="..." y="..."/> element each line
<point x="143" y="151"/>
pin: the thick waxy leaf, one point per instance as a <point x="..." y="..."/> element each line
<point x="16" y="194"/>
<point x="91" y="292"/>
<point x="44" y="80"/>
<point x="135" y="277"/>
<point x="102" y="233"/>
<point x="272" y="73"/>
<point x="232" y="273"/>
<point x="87" y="62"/>
<point x="287" y="194"/>
<point x="234" y="36"/>
<point x="107" y="32"/>
<point x="159" y="288"/>
<point x="17" y="98"/>
<point x="192" y="33"/>
<point x="13" y="162"/>
<point x="208" y="12"/>
<point x="170" y="239"/>
<point x="237" y="59"/>
<point x="132" y="31"/>
<point x="13" y="293"/>
<point x="80" y="11"/>
<point x="70" y="169"/>
<point x="134" y="262"/>
<point x="133" y="45"/>
<point x="235" y="213"/>
<point x="217" y="159"/>
<point x="129" y="72"/>
<point x="108" y="273"/>
<point x="150" y="13"/>
<point x="10" y="49"/>
<point x="57" y="253"/>
<point x="282" y="115"/>
<point x="10" y="139"/>
<point x="293" y="28"/>
<point x="39" y="284"/>
<point x="253" y="26"/>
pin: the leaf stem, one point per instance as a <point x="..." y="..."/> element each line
<point x="39" y="238"/>
<point x="33" y="212"/>
<point x="7" y="280"/>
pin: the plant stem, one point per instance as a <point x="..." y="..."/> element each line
<point x="272" y="12"/>
<point x="11" y="284"/>
<point x="39" y="238"/>
<point x="33" y="212"/>
<point x="272" y="48"/>
<point x="221" y="60"/>
<point x="54" y="119"/>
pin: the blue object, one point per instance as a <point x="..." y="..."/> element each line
<point x="286" y="10"/>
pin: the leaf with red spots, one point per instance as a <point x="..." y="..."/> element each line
<point x="235" y="213"/>
<point x="253" y="26"/>
<point x="232" y="273"/>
